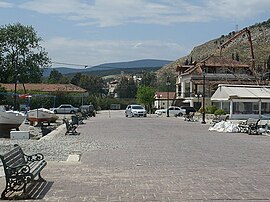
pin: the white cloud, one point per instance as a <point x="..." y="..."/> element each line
<point x="5" y="4"/>
<point x="52" y="6"/>
<point x="239" y="9"/>
<point x="110" y="13"/>
<point x="87" y="52"/>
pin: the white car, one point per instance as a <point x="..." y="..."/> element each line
<point x="135" y="110"/>
<point x="176" y="111"/>
<point x="65" y="109"/>
<point x="173" y="111"/>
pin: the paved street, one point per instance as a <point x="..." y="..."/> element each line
<point x="160" y="159"/>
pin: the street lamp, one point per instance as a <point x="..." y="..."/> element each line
<point x="198" y="103"/>
<point x="168" y="85"/>
<point x="203" y="101"/>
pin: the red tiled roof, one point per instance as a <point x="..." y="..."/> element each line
<point x="216" y="62"/>
<point x="44" y="87"/>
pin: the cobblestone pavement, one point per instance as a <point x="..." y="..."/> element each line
<point x="159" y="159"/>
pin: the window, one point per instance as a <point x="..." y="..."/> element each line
<point x="245" y="108"/>
<point x="265" y="108"/>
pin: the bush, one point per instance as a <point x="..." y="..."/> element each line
<point x="219" y="112"/>
<point x="211" y="109"/>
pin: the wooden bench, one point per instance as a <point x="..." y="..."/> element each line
<point x="71" y="127"/>
<point x="250" y="126"/>
<point x="20" y="169"/>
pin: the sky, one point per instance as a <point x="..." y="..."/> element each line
<point x="82" y="33"/>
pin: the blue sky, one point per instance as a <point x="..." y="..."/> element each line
<point x="92" y="32"/>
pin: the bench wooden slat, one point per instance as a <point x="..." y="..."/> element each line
<point x="36" y="168"/>
<point x="14" y="158"/>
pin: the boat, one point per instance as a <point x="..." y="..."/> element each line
<point x="41" y="115"/>
<point x="10" y="119"/>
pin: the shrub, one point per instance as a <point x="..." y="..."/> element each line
<point x="211" y="109"/>
<point x="219" y="112"/>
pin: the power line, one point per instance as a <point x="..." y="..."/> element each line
<point x="71" y="64"/>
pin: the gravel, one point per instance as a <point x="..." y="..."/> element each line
<point x="55" y="146"/>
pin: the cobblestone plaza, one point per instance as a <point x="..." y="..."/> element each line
<point x="151" y="159"/>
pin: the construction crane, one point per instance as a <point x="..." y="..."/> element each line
<point x="238" y="34"/>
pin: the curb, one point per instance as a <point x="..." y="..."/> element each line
<point x="55" y="132"/>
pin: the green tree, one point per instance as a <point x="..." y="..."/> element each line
<point x="146" y="96"/>
<point x="149" y="79"/>
<point x="166" y="82"/>
<point x="126" y="88"/>
<point x="21" y="55"/>
<point x="2" y="95"/>
<point x="93" y="84"/>
<point x="55" y="76"/>
<point x="76" y="79"/>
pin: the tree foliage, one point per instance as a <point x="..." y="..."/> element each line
<point x="149" y="79"/>
<point x="166" y="82"/>
<point x="93" y="84"/>
<point x="126" y="88"/>
<point x="146" y="96"/>
<point x="2" y="96"/>
<point x="57" y="77"/>
<point x="21" y="55"/>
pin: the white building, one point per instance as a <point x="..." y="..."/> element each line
<point x="243" y="101"/>
<point x="164" y="99"/>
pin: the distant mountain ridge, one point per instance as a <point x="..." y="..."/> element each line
<point x="151" y="64"/>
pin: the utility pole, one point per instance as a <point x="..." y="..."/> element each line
<point x="168" y="85"/>
<point x="203" y="101"/>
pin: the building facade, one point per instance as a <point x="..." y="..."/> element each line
<point x="201" y="79"/>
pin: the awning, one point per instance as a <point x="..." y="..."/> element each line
<point x="241" y="92"/>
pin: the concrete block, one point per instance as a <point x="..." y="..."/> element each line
<point x="73" y="158"/>
<point x="19" y="135"/>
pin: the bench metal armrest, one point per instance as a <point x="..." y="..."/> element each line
<point x="18" y="170"/>
<point x="34" y="157"/>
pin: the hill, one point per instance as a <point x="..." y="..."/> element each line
<point x="260" y="35"/>
<point x="114" y="68"/>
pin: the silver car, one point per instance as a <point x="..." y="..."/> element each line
<point x="135" y="110"/>
<point x="65" y="109"/>
<point x="173" y="111"/>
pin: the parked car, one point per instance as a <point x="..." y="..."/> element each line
<point x="185" y="110"/>
<point x="173" y="111"/>
<point x="65" y="109"/>
<point x="135" y="110"/>
<point x="176" y="111"/>
<point x="89" y="110"/>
